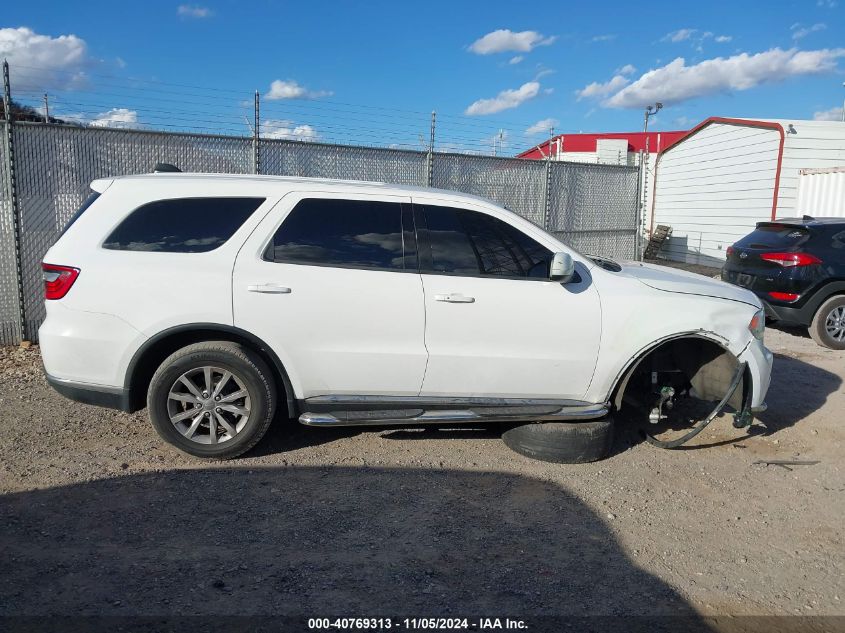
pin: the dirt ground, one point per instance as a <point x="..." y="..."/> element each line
<point x="99" y="517"/>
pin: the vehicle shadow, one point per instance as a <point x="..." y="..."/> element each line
<point x="287" y="434"/>
<point x="798" y="389"/>
<point x="314" y="542"/>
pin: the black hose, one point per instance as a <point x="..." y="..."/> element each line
<point x="740" y="372"/>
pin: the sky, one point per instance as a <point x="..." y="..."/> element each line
<point x="499" y="74"/>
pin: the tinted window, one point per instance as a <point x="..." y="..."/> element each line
<point x="88" y="202"/>
<point x="472" y="243"/>
<point x="183" y="225"/>
<point x="774" y="236"/>
<point x="347" y="233"/>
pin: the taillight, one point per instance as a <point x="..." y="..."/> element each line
<point x="58" y="280"/>
<point x="729" y="251"/>
<point x="784" y="296"/>
<point x="788" y="260"/>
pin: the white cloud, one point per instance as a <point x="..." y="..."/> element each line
<point x="542" y="127"/>
<point x="680" y="35"/>
<point x="503" y="40"/>
<point x="194" y="11"/>
<point x="800" y="32"/>
<point x="122" y="118"/>
<point x="608" y="37"/>
<point x="723" y="39"/>
<point x="834" y="114"/>
<point x="515" y="60"/>
<point x="292" y="90"/>
<point x="288" y="130"/>
<point x="827" y="4"/>
<point x="596" y="90"/>
<point x="627" y="69"/>
<point x="40" y="62"/>
<point x="505" y="100"/>
<point x="676" y="82"/>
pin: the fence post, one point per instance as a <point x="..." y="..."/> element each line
<point x="547" y="197"/>
<point x="642" y="191"/>
<point x="14" y="208"/>
<point x="256" y="137"/>
<point x="429" y="162"/>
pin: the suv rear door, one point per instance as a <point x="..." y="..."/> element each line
<point x="331" y="283"/>
<point x="496" y="326"/>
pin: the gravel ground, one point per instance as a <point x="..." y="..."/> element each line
<point x="100" y="517"/>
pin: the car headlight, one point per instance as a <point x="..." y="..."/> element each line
<point x="757" y="326"/>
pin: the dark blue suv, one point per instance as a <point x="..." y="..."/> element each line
<point x="797" y="268"/>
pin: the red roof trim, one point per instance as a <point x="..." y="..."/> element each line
<point x="580" y="142"/>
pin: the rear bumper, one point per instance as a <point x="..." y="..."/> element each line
<point x="98" y="395"/>
<point x="789" y="315"/>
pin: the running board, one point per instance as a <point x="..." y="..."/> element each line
<point x="456" y="416"/>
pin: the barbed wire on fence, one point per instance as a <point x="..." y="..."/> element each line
<point x="112" y="100"/>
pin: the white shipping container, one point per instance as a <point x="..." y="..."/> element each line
<point x="821" y="192"/>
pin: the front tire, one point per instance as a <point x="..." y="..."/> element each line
<point x="828" y="326"/>
<point x="214" y="399"/>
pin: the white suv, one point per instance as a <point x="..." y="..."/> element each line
<point x="217" y="300"/>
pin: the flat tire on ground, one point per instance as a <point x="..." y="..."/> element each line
<point x="562" y="442"/>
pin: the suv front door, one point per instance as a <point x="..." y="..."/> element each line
<point x="495" y="325"/>
<point x="331" y="283"/>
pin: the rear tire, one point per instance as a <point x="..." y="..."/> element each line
<point x="828" y="325"/>
<point x="562" y="442"/>
<point x="214" y="399"/>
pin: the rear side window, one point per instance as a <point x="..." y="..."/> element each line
<point x="774" y="236"/>
<point x="88" y="202"/>
<point x="471" y="243"/>
<point x="182" y="225"/>
<point x="346" y="234"/>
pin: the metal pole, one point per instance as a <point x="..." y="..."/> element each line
<point x="430" y="158"/>
<point x="14" y="207"/>
<point x="642" y="199"/>
<point x="46" y="109"/>
<point x="547" y="194"/>
<point x="256" y="136"/>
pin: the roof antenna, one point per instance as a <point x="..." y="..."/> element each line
<point x="165" y="168"/>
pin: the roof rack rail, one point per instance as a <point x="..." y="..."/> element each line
<point x="165" y="168"/>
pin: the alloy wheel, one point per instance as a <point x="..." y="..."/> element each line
<point x="835" y="324"/>
<point x="208" y="405"/>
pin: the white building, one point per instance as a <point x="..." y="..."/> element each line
<point x="713" y="185"/>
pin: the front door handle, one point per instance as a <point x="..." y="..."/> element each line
<point x="269" y="289"/>
<point x="455" y="297"/>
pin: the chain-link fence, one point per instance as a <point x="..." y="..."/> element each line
<point x="592" y="207"/>
<point x="10" y="322"/>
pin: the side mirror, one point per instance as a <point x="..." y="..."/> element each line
<point x="562" y="268"/>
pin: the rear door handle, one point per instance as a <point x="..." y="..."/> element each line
<point x="275" y="289"/>
<point x="455" y="297"/>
